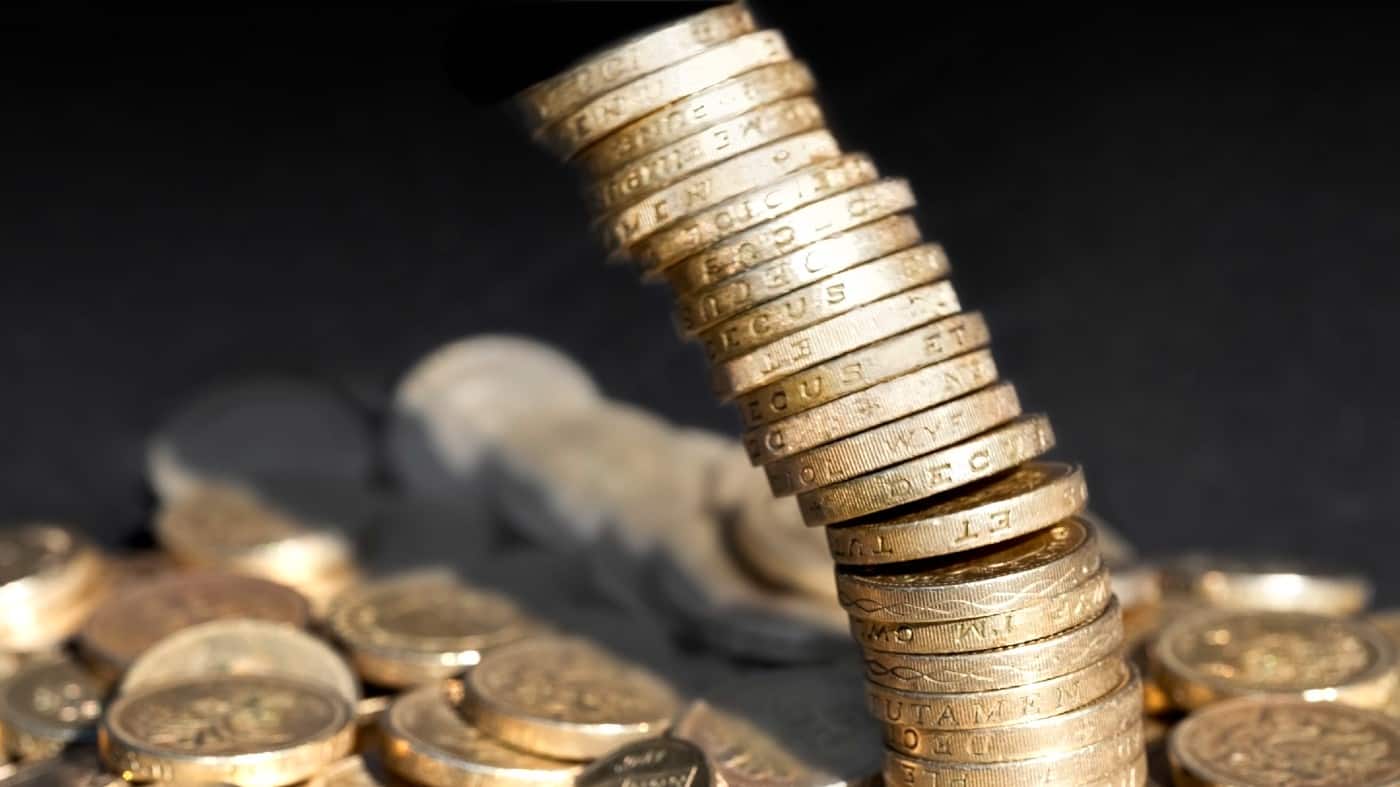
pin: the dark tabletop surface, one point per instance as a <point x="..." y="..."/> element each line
<point x="1184" y="231"/>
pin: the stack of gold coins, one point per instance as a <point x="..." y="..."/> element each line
<point x="992" y="643"/>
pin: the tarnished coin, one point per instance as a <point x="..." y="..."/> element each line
<point x="997" y="579"/>
<point x="1116" y="714"/>
<point x="658" y="761"/>
<point x="428" y="743"/>
<point x="135" y="618"/>
<point x="458" y="402"/>
<point x="1267" y="584"/>
<point x="1264" y="742"/>
<point x="421" y="628"/>
<point x="793" y="728"/>
<point x="1210" y="655"/>
<point x="242" y="729"/>
<point x="565" y="698"/>
<point x="246" y="431"/>
<point x="241" y="647"/>
<point x="45" y="706"/>
<point x="50" y="580"/>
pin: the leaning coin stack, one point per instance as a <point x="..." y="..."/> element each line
<point x="992" y="642"/>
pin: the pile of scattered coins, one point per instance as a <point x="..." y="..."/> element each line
<point x="869" y="395"/>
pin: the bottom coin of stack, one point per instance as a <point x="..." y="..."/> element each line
<point x="1001" y="667"/>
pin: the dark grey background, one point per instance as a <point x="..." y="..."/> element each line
<point x="1183" y="229"/>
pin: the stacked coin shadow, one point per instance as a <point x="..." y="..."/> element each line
<point x="992" y="642"/>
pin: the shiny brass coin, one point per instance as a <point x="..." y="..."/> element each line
<point x="45" y="706"/>
<point x="50" y="580"/>
<point x="642" y="54"/>
<point x="1003" y="668"/>
<point x="990" y="709"/>
<point x="419" y="629"/>
<point x="1278" y="741"/>
<point x="824" y="300"/>
<point x="242" y="729"/>
<point x="693" y="114"/>
<point x="134" y="619"/>
<point x="1273" y="584"/>
<point x="427" y="743"/>
<point x="1029" y="498"/>
<point x="1002" y="449"/>
<point x="1210" y="655"/>
<point x="719" y="142"/>
<point x="1037" y="620"/>
<point x="788" y="233"/>
<point x="858" y="370"/>
<point x="565" y="698"/>
<point x="788" y="728"/>
<point x="899" y="441"/>
<point x="1117" y="714"/>
<point x="658" y="761"/>
<point x="776" y="278"/>
<point x="618" y="107"/>
<point x="762" y="203"/>
<point x="881" y="403"/>
<point x="824" y="341"/>
<point x="1001" y="578"/>
<point x="1116" y="762"/>
<point x="222" y="648"/>
<point x="709" y="187"/>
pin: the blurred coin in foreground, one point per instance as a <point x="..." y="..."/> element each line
<point x="50" y="580"/>
<point x="565" y="698"/>
<point x="352" y="771"/>
<point x="244" y="729"/>
<point x="135" y="618"/>
<point x="658" y="761"/>
<point x="59" y="773"/>
<point x="421" y="628"/>
<point x="225" y="648"/>
<point x="790" y="728"/>
<point x="45" y="706"/>
<point x="1211" y="654"/>
<point x="428" y="743"/>
<point x="247" y="430"/>
<point x="1261" y="742"/>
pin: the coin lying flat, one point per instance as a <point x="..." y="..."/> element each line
<point x="457" y="402"/>
<point x="428" y="743"/>
<point x="45" y="706"/>
<point x="135" y="618"/>
<point x="1270" y="584"/>
<point x="565" y="698"/>
<point x="420" y="629"/>
<point x="793" y="728"/>
<point x="243" y="729"/>
<point x="223" y="648"/>
<point x="1257" y="741"/>
<point x="656" y="761"/>
<point x="59" y="773"/>
<point x="245" y="431"/>
<point x="1008" y="576"/>
<point x="1209" y="655"/>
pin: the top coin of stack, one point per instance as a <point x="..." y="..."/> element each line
<point x="991" y="638"/>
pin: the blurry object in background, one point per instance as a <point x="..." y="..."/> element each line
<point x="1279" y="741"/>
<point x="420" y="629"/>
<point x="267" y="427"/>
<point x="1209" y="655"/>
<point x="50" y="580"/>
<point x="45" y="706"/>
<point x="1117" y="550"/>
<point x="1277" y="584"/>
<point x="565" y="698"/>
<point x="658" y="761"/>
<point x="241" y="647"/>
<point x="353" y="771"/>
<point x="242" y="729"/>
<point x="800" y="727"/>
<point x="455" y="405"/>
<point x="427" y="743"/>
<point x="135" y="617"/>
<point x="231" y="528"/>
<point x="769" y="538"/>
